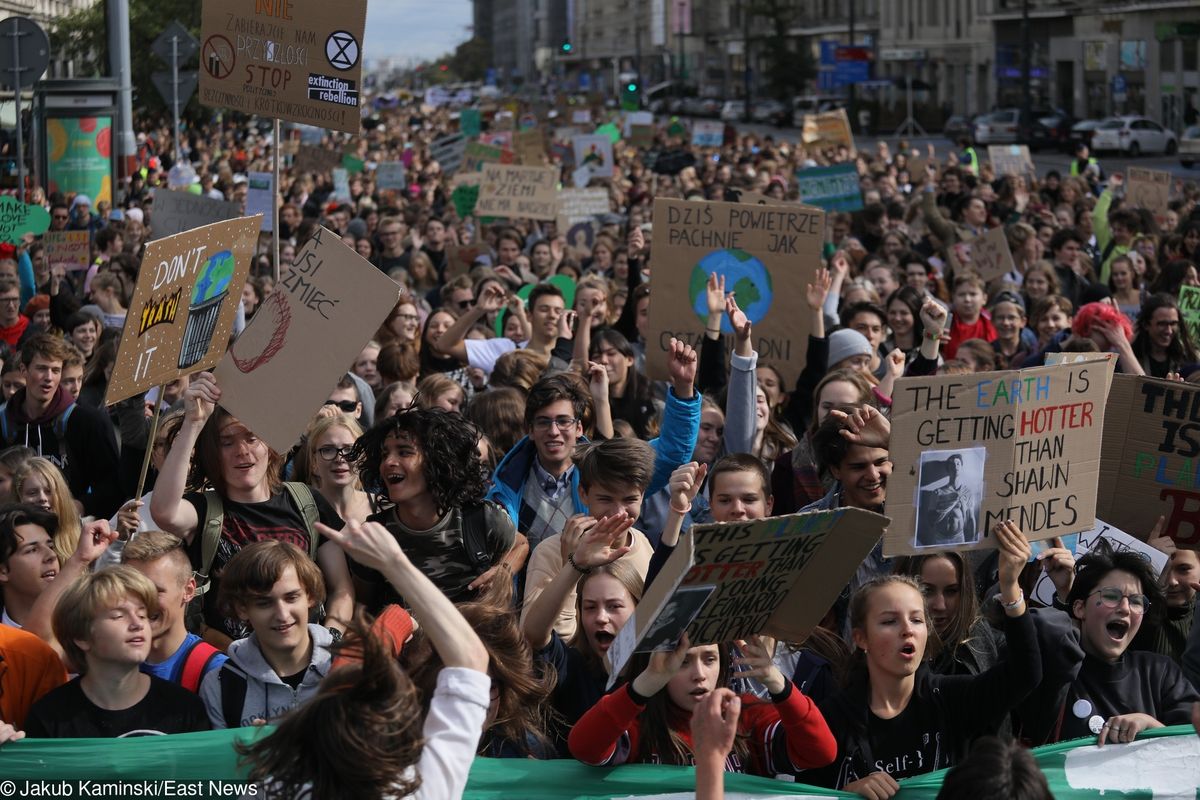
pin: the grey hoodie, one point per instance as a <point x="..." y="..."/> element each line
<point x="267" y="696"/>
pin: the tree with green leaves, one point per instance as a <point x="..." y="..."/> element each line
<point x="83" y="38"/>
<point x="788" y="68"/>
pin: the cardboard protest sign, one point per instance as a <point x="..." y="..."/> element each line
<point x="974" y="450"/>
<point x="580" y="205"/>
<point x="708" y="133"/>
<point x="729" y="580"/>
<point x="297" y="345"/>
<point x="260" y="197"/>
<point x="1149" y="189"/>
<point x="529" y="147"/>
<point x="516" y="192"/>
<point x="594" y="152"/>
<point x="1189" y="310"/>
<point x="299" y="60"/>
<point x="501" y="139"/>
<point x="1118" y="540"/>
<point x="391" y="175"/>
<point x="632" y="118"/>
<point x="175" y="212"/>
<point x="641" y="136"/>
<point x="341" y="185"/>
<point x="828" y="129"/>
<point x="766" y="253"/>
<point x="18" y="219"/>
<point x="67" y="249"/>
<point x="833" y="188"/>
<point x="448" y="151"/>
<point x="1053" y="359"/>
<point x="1151" y="458"/>
<point x="581" y="116"/>
<point x="1010" y="159"/>
<point x="990" y="256"/>
<point x="181" y="315"/>
<point x="313" y="158"/>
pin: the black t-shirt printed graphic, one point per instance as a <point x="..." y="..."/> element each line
<point x="276" y="518"/>
<point x="67" y="713"/>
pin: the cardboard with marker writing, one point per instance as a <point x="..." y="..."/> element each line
<point x="1011" y="159"/>
<point x="1151" y="458"/>
<point x="181" y="315"/>
<point x="767" y="253"/>
<point x="969" y="451"/>
<point x="296" y="347"/>
<point x="1149" y="189"/>
<point x="828" y="129"/>
<point x="515" y="192"/>
<point x="729" y="580"/>
<point x="529" y="147"/>
<point x="1117" y="540"/>
<point x="67" y="249"/>
<point x="174" y="212"/>
<point x="299" y="60"/>
<point x="1189" y="310"/>
<point x="990" y="256"/>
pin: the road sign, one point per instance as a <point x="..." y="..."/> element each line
<point x="187" y="85"/>
<point x="902" y="54"/>
<point x="1119" y="87"/>
<point x="24" y="52"/>
<point x="186" y="44"/>
<point x="849" y="72"/>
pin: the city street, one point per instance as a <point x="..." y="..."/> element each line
<point x="1044" y="160"/>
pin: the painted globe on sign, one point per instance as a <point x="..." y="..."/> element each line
<point x="744" y="275"/>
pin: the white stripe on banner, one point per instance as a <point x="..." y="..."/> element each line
<point x="1167" y="767"/>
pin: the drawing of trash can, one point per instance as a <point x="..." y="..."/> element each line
<point x="207" y="295"/>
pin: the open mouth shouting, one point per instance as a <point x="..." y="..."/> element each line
<point x="604" y="640"/>
<point x="1117" y="630"/>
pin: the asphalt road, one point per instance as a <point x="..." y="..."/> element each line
<point x="1044" y="160"/>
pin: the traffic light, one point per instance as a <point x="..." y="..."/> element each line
<point x="566" y="47"/>
<point x="629" y="96"/>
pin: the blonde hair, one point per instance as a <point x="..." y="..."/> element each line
<point x="91" y="595"/>
<point x="149" y="546"/>
<point x="319" y="428"/>
<point x="62" y="504"/>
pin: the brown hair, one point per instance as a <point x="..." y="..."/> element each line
<point x="433" y="386"/>
<point x="499" y="414"/>
<point x="88" y="597"/>
<point x="615" y="463"/>
<point x="958" y="631"/>
<point x="740" y="462"/>
<point x="398" y="362"/>
<point x="357" y="739"/>
<point x="519" y="369"/>
<point x="253" y="571"/>
<point x="208" y="455"/>
<point x="48" y="346"/>
<point x="983" y="353"/>
<point x="625" y="574"/>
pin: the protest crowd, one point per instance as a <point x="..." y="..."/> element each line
<point x="441" y="566"/>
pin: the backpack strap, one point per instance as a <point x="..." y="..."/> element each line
<point x="195" y="662"/>
<point x="474" y="536"/>
<point x="302" y="497"/>
<point x="233" y="695"/>
<point x="210" y="537"/>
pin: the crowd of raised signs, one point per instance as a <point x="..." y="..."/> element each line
<point x="438" y="568"/>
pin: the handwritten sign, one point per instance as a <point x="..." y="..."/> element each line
<point x="516" y="192"/>
<point x="448" y="151"/>
<point x="990" y="256"/>
<point x="1189" y="310"/>
<point x="729" y="580"/>
<point x="1149" y="189"/>
<point x="1010" y="159"/>
<point x="1118" y="540"/>
<point x="1150" y="456"/>
<point x="391" y="175"/>
<point x="529" y="147"/>
<point x="67" y="249"/>
<point x="181" y="315"/>
<point x="175" y="212"/>
<point x="324" y="309"/>
<point x="974" y="450"/>
<point x="766" y="253"/>
<point x="833" y="188"/>
<point x="18" y="219"/>
<point x="580" y="205"/>
<point x="476" y="154"/>
<point x="708" y="133"/>
<point x="828" y="129"/>
<point x="299" y="60"/>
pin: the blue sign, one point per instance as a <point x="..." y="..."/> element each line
<point x="1118" y="84"/>
<point x="848" y="72"/>
<point x="828" y="62"/>
<point x="585" y="81"/>
<point x="833" y="188"/>
<point x="489" y="77"/>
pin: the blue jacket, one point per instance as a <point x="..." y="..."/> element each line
<point x="673" y="447"/>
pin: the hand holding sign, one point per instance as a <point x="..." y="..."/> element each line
<point x="18" y="219"/>
<point x="758" y="654"/>
<point x="662" y="667"/>
<point x="200" y="398"/>
<point x="1059" y="565"/>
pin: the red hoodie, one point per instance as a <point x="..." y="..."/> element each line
<point x="608" y="734"/>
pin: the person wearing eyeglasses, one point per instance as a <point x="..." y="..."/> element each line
<point x="1093" y="682"/>
<point x="60" y="215"/>
<point x="12" y="322"/>
<point x="331" y="471"/>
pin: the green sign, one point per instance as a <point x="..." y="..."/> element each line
<point x="79" y="156"/>
<point x="833" y="188"/>
<point x="469" y="122"/>
<point x="18" y="219"/>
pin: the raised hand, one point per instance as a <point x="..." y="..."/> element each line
<point x="1059" y="565"/>
<point x="818" y="290"/>
<point x="714" y="293"/>
<point x="1014" y="551"/>
<point x="604" y="542"/>
<point x="714" y="724"/>
<point x="681" y="365"/>
<point x="200" y="398"/>
<point x="368" y="543"/>
<point x="738" y="320"/>
<point x="867" y="426"/>
<point x="93" y="541"/>
<point x="635" y="242"/>
<point x="758" y="653"/>
<point x="685" y="484"/>
<point x="933" y="316"/>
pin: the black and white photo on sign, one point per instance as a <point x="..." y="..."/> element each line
<point x="950" y="489"/>
<point x="683" y="607"/>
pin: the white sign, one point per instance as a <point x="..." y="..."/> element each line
<point x="1120" y="541"/>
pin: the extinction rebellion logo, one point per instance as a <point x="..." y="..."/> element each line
<point x="340" y="91"/>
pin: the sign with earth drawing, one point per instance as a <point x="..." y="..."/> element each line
<point x="767" y="254"/>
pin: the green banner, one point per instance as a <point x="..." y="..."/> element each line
<point x="1163" y="763"/>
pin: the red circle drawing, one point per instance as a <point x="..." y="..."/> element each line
<point x="217" y="56"/>
<point x="277" y="310"/>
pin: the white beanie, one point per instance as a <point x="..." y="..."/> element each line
<point x="846" y="343"/>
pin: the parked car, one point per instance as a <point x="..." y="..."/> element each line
<point x="768" y="110"/>
<point x="733" y="111"/>
<point x="959" y="126"/>
<point x="1082" y="133"/>
<point x="1050" y="131"/>
<point x="1133" y="136"/>
<point x="999" y="127"/>
<point x="1189" y="147"/>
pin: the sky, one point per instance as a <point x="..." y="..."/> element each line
<point x="415" y="29"/>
